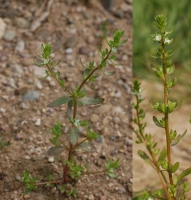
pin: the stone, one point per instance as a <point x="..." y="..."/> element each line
<point x="9" y="35"/>
<point x="69" y="51"/>
<point x="51" y="159"/>
<point x="20" y="46"/>
<point x="22" y="23"/>
<point x="83" y="50"/>
<point x="94" y="118"/>
<point x="17" y="69"/>
<point x="118" y="13"/>
<point x="2" y="28"/>
<point x="38" y="122"/>
<point x="91" y="197"/>
<point x="107" y="4"/>
<point x="31" y="95"/>
<point x="70" y="42"/>
<point x="103" y="109"/>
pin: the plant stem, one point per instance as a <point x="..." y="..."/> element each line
<point x="71" y="149"/>
<point x="150" y="152"/>
<point x="58" y="181"/>
<point x="166" y="113"/>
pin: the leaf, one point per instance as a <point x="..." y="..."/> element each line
<point x="86" y="146"/>
<point x="175" y="167"/>
<point x="60" y="101"/>
<point x="86" y="73"/>
<point x="74" y="135"/>
<point x="162" y="156"/>
<point x="177" y="139"/>
<point x="143" y="155"/>
<point x="69" y="112"/>
<point x="55" y="150"/>
<point x="109" y="73"/>
<point x="91" y="101"/>
<point x="157" y="122"/>
<point x="183" y="174"/>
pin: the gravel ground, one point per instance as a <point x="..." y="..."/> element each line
<point x="74" y="28"/>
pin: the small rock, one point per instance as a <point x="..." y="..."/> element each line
<point x="38" y="84"/>
<point x="94" y="118"/>
<point x="9" y="35"/>
<point x="51" y="159"/>
<point x="118" y="13"/>
<point x="71" y="42"/>
<point x="100" y="139"/>
<point x="121" y="190"/>
<point x="22" y="105"/>
<point x="103" y="109"/>
<point x="18" y="136"/>
<point x="27" y="157"/>
<point x="31" y="95"/>
<point x="107" y="120"/>
<point x="2" y="27"/>
<point x="22" y="23"/>
<point x="91" y="197"/>
<point x="69" y="51"/>
<point x="27" y="196"/>
<point x="20" y="46"/>
<point x="116" y="120"/>
<point x="38" y="122"/>
<point x="83" y="50"/>
<point x="90" y="39"/>
<point x="103" y="198"/>
<point x="107" y="4"/>
<point x="110" y="185"/>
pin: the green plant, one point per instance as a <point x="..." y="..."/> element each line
<point x="75" y="98"/>
<point x="3" y="143"/>
<point x="160" y="159"/>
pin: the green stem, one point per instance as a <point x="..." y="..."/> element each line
<point x="166" y="113"/>
<point x="160" y="174"/>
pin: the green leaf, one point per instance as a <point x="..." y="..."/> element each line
<point x="109" y="73"/>
<point x="177" y="139"/>
<point x="86" y="73"/>
<point x="175" y="167"/>
<point x="91" y="101"/>
<point x="159" y="123"/>
<point x="143" y="155"/>
<point x="55" y="150"/>
<point x="184" y="174"/>
<point x="162" y="156"/>
<point x="69" y="112"/>
<point x="74" y="135"/>
<point x="60" y="101"/>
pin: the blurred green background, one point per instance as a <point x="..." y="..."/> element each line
<point x="178" y="15"/>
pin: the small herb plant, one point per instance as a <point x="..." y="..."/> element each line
<point x="173" y="186"/>
<point x="75" y="98"/>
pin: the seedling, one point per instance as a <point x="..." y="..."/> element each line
<point x="160" y="159"/>
<point x="73" y="99"/>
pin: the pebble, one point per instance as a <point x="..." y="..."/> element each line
<point x="118" y="13"/>
<point x="9" y="35"/>
<point x="69" y="51"/>
<point x="17" y="69"/>
<point x="22" y="105"/>
<point x="116" y="120"/>
<point x="38" y="84"/>
<point x="51" y="159"/>
<point x="103" y="109"/>
<point x="2" y="28"/>
<point x="103" y="198"/>
<point x="71" y="42"/>
<point x="27" y="157"/>
<point x="31" y="95"/>
<point x="107" y="120"/>
<point x="20" y="46"/>
<point x="38" y="122"/>
<point x="94" y="118"/>
<point x="107" y="4"/>
<point x="83" y="50"/>
<point x="100" y="139"/>
<point x="22" y="23"/>
<point x="121" y="190"/>
<point x="27" y="196"/>
<point x="91" y="197"/>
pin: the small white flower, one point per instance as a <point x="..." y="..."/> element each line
<point x="166" y="40"/>
<point x="158" y="37"/>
